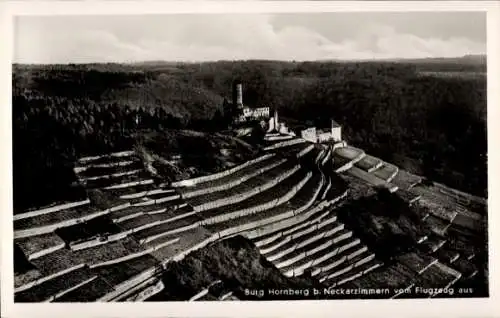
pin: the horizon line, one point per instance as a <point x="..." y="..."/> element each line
<point x="395" y="59"/>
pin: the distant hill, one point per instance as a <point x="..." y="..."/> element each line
<point x="474" y="59"/>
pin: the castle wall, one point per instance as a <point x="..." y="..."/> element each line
<point x="324" y="137"/>
<point x="260" y="112"/>
<point x="337" y="134"/>
<point x="309" y="134"/>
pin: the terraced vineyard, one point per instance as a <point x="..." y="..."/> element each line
<point x="289" y="201"/>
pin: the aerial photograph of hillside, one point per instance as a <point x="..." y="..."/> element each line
<point x="237" y="157"/>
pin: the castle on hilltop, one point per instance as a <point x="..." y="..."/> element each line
<point x="238" y="113"/>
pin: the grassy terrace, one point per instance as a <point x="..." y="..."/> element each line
<point x="270" y="248"/>
<point x="84" y="231"/>
<point x="64" y="258"/>
<point x="477" y="237"/>
<point x="105" y="182"/>
<point x="433" y="243"/>
<point x="465" y="246"/>
<point x="305" y="194"/>
<point x="445" y="213"/>
<point x="466" y="267"/>
<point x="314" y="248"/>
<point x="55" y="262"/>
<point x="369" y="178"/>
<point x="115" y="274"/>
<point x="33" y="244"/>
<point x="242" y="188"/>
<point x="46" y="290"/>
<point x="390" y="277"/>
<point x="368" y="162"/>
<point x="25" y="277"/>
<point x="268" y="142"/>
<point x="166" y="227"/>
<point x="386" y="171"/>
<point x="470" y="208"/>
<point x="294" y="232"/>
<point x="469" y="223"/>
<point x="433" y="194"/>
<point x="348" y="152"/>
<point x="407" y="196"/>
<point x="263" y="197"/>
<point x="339" y="185"/>
<point x="233" y="176"/>
<point x="134" y="209"/>
<point x="160" y="195"/>
<point x="357" y="188"/>
<point x="93" y="171"/>
<point x="89" y="292"/>
<point x="349" y="272"/>
<point x="339" y="161"/>
<point x="334" y="263"/>
<point x="270" y="213"/>
<point x="294" y="240"/>
<point x="328" y="250"/>
<point x="434" y="277"/>
<point x="447" y="255"/>
<point x="415" y="261"/>
<point x="133" y="189"/>
<point x="24" y="271"/>
<point x="145" y="219"/>
<point x="310" y="157"/>
<point x="405" y="180"/>
<point x="438" y="225"/>
<point x="292" y="150"/>
<point x="310" y="221"/>
<point x="54" y="217"/>
<point x="189" y="239"/>
<point x="108" y="159"/>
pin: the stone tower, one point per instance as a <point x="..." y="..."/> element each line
<point x="237" y="95"/>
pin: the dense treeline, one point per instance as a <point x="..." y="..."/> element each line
<point x="429" y="125"/>
<point x="238" y="264"/>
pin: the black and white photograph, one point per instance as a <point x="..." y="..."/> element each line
<point x="240" y="156"/>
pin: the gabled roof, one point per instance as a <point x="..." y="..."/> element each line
<point x="335" y="124"/>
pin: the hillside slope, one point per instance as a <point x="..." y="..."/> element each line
<point x="387" y="108"/>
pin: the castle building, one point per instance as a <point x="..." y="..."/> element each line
<point x="241" y="113"/>
<point x="332" y="134"/>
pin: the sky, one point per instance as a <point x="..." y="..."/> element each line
<point x="208" y="37"/>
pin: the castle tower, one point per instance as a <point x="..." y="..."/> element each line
<point x="237" y="95"/>
<point x="336" y="131"/>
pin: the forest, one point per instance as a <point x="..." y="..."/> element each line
<point x="434" y="126"/>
